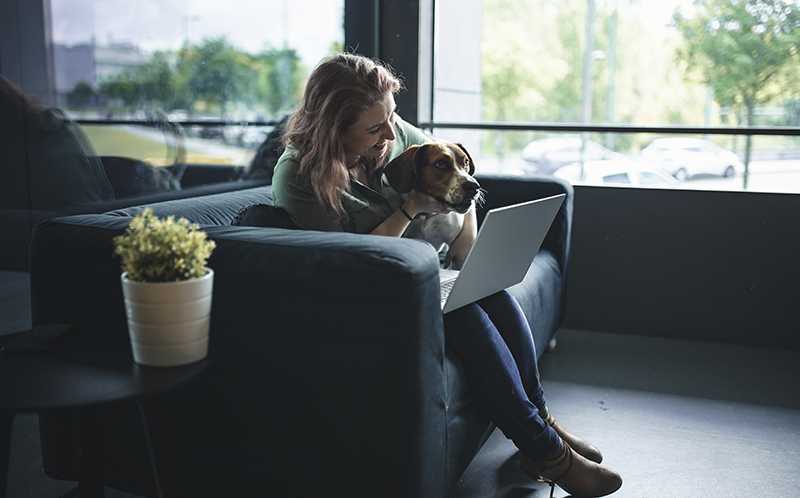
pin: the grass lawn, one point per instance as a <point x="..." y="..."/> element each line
<point x="110" y="141"/>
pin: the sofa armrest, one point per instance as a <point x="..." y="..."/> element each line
<point x="329" y="355"/>
<point x="506" y="190"/>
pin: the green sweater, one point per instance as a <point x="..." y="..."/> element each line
<point x="367" y="205"/>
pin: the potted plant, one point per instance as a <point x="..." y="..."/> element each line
<point x="167" y="289"/>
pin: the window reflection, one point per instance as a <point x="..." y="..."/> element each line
<point x="54" y="155"/>
<point x="238" y="66"/>
<point x="175" y="98"/>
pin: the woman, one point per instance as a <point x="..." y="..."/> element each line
<point x="330" y="178"/>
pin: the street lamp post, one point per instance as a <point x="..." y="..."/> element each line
<point x="587" y="76"/>
<point x="185" y="26"/>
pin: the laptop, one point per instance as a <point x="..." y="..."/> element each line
<point x="502" y="252"/>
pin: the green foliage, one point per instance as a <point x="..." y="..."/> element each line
<point x="747" y="49"/>
<point x="532" y="56"/>
<point x="280" y="78"/>
<point x="153" y="83"/>
<point x="522" y="65"/>
<point x="213" y="72"/>
<point x="154" y="250"/>
<point x="217" y="73"/>
<point x="82" y="94"/>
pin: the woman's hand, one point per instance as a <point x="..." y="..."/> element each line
<point x="420" y="202"/>
<point x="396" y="224"/>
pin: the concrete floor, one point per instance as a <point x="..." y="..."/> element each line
<point x="675" y="418"/>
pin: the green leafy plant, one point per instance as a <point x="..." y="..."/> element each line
<point x="169" y="250"/>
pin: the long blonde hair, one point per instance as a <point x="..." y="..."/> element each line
<point x="338" y="91"/>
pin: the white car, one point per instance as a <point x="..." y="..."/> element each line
<point x="621" y="172"/>
<point x="549" y="154"/>
<point x="687" y="157"/>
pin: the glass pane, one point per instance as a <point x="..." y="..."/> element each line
<point x="175" y="65"/>
<point x="708" y="63"/>
<point x="774" y="164"/>
<point x="189" y="59"/>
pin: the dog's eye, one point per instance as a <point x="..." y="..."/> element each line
<point x="440" y="165"/>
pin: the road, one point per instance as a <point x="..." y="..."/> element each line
<point x="765" y="176"/>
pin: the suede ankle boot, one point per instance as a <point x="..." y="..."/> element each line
<point x="581" y="446"/>
<point x="573" y="473"/>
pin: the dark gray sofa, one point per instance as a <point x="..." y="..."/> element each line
<point x="330" y="375"/>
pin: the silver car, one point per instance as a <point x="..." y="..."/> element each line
<point x="617" y="172"/>
<point x="687" y="157"/>
<point x="549" y="154"/>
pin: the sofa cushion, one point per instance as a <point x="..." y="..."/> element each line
<point x="300" y="320"/>
<point x="263" y="215"/>
<point x="216" y="209"/>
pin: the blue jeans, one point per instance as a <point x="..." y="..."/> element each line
<point x="494" y="343"/>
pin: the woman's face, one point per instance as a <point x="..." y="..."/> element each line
<point x="371" y="134"/>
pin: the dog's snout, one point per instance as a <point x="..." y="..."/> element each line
<point x="471" y="188"/>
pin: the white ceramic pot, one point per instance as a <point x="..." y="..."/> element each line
<point x="168" y="322"/>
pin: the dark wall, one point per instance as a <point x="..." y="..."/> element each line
<point x="390" y="31"/>
<point x="715" y="266"/>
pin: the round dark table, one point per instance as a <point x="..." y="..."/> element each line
<point x="90" y="366"/>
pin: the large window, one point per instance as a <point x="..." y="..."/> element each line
<point x="583" y="71"/>
<point x="208" y="79"/>
<point x="112" y="103"/>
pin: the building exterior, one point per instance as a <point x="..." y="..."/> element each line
<point x="92" y="63"/>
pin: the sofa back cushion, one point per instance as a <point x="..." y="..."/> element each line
<point x="217" y="209"/>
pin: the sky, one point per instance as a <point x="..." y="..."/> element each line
<point x="310" y="26"/>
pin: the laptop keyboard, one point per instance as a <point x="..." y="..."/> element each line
<point x="446" y="286"/>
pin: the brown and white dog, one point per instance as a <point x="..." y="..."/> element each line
<point x="443" y="170"/>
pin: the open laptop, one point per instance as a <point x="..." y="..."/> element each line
<point x="502" y="252"/>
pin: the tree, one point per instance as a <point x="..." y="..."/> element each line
<point x="153" y="83"/>
<point x="747" y="49"/>
<point x="82" y="94"/>
<point x="280" y="78"/>
<point x="532" y="57"/>
<point x="213" y="72"/>
<point x="218" y="73"/>
<point x="522" y="62"/>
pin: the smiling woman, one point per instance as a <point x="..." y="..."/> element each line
<point x="333" y="177"/>
<point x="370" y="136"/>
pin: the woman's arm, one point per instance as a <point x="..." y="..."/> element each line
<point x="396" y="224"/>
<point x="460" y="247"/>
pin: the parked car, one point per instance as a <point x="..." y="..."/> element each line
<point x="210" y="131"/>
<point x="687" y="157"/>
<point x="178" y="115"/>
<point x="623" y="172"/>
<point x="246" y="136"/>
<point x="549" y="154"/>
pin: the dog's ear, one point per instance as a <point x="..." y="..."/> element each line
<point x="471" y="162"/>
<point x="402" y="170"/>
